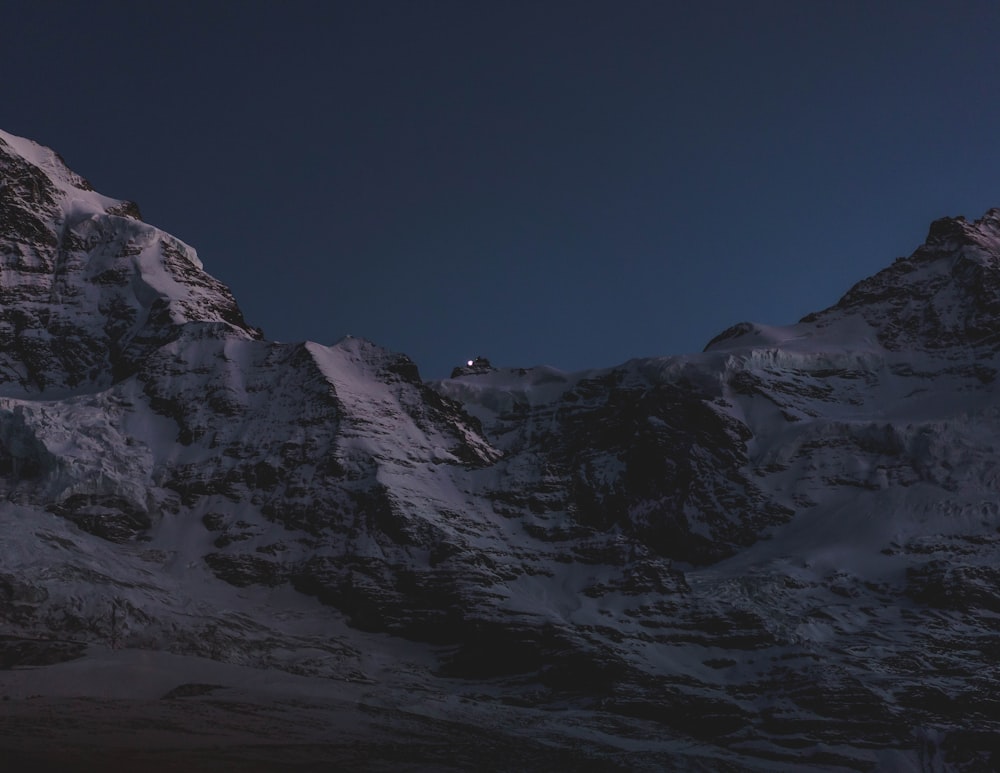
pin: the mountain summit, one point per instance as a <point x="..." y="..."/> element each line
<point x="778" y="553"/>
<point x="943" y="299"/>
<point x="88" y="290"/>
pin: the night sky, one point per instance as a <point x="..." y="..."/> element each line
<point x="565" y="182"/>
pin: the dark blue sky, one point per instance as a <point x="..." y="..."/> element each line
<point x="564" y="182"/>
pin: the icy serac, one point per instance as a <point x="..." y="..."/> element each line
<point x="782" y="551"/>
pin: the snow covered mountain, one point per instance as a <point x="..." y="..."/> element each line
<point x="782" y="552"/>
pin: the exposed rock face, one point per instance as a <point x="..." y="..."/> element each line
<point x="779" y="552"/>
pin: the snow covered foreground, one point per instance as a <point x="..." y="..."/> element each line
<point x="218" y="551"/>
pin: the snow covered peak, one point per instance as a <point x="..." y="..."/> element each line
<point x="46" y="179"/>
<point x="87" y="289"/>
<point x="943" y="299"/>
<point x="948" y="233"/>
<point x="373" y="359"/>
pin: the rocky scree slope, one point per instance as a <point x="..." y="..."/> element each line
<point x="780" y="551"/>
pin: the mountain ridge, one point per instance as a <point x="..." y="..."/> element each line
<point x="778" y="552"/>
